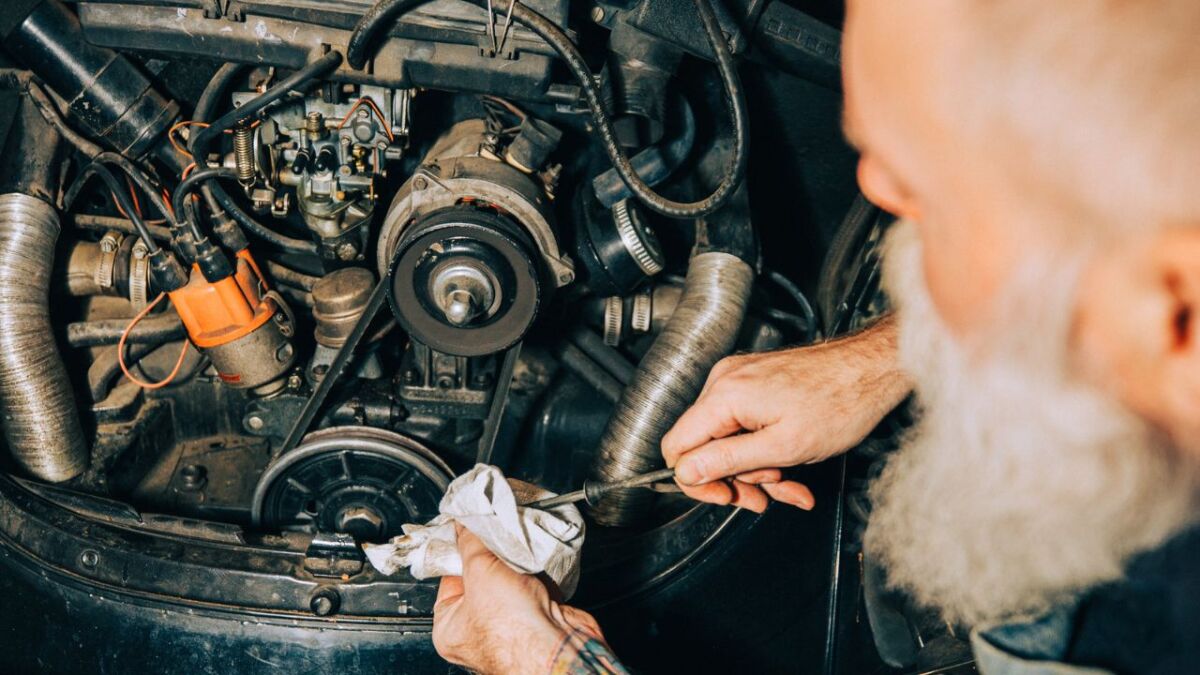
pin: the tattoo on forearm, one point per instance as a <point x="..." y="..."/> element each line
<point x="583" y="654"/>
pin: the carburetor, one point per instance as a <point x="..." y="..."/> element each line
<point x="332" y="149"/>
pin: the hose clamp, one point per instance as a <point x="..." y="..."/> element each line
<point x="139" y="276"/>
<point x="110" y="243"/>
<point x="642" y="306"/>
<point x="614" y="316"/>
<point x="638" y="242"/>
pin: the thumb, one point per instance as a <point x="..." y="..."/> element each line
<point x="476" y="557"/>
<point x="728" y="457"/>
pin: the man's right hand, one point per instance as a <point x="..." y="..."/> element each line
<point x="761" y="412"/>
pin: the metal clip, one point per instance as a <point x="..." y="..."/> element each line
<point x="109" y="243"/>
<point x="139" y="276"/>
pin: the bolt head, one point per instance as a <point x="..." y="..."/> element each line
<point x="255" y="423"/>
<point x="361" y="522"/>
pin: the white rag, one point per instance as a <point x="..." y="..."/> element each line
<point x="530" y="541"/>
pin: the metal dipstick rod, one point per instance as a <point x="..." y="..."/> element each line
<point x="593" y="490"/>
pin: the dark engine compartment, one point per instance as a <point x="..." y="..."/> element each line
<point x="380" y="274"/>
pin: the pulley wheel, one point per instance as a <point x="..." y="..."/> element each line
<point x="361" y="481"/>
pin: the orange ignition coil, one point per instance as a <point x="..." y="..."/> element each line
<point x="240" y="325"/>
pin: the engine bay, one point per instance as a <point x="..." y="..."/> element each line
<point x="306" y="262"/>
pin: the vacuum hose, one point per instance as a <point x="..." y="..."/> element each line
<point x="41" y="422"/>
<point x="703" y="329"/>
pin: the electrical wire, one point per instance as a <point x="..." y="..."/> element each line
<point x="121" y="350"/>
<point x="507" y="105"/>
<point x="386" y="11"/>
<point x="98" y="169"/>
<point x="138" y="176"/>
<point x="192" y="182"/>
<point x="175" y="143"/>
<point x="373" y="107"/>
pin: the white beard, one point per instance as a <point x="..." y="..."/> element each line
<point x="1019" y="487"/>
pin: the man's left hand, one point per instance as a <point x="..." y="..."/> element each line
<point x="493" y="619"/>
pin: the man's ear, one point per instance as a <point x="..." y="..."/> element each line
<point x="1175" y="261"/>
<point x="1138" y="328"/>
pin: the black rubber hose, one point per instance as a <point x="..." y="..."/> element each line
<point x="150" y="330"/>
<point x="281" y="241"/>
<point x="211" y="96"/>
<point x="289" y="276"/>
<point x="576" y="361"/>
<point x="213" y="192"/>
<point x="191" y="184"/>
<point x="102" y="223"/>
<point x="385" y="12"/>
<point x="118" y="192"/>
<point x="604" y="355"/>
<point x="105" y="367"/>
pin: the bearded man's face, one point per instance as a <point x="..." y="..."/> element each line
<point x="1020" y="485"/>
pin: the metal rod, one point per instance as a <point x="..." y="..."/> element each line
<point x="593" y="489"/>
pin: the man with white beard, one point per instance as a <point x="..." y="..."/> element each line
<point x="1045" y="161"/>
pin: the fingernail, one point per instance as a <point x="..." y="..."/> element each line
<point x="687" y="474"/>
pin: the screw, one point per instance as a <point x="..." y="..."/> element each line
<point x="597" y="14"/>
<point x="410" y="376"/>
<point x="419" y="183"/>
<point x="294" y="381"/>
<point x="255" y="423"/>
<point x="325" y="601"/>
<point x="89" y="559"/>
<point x="194" y="476"/>
<point x="320" y="369"/>
<point x="445" y="382"/>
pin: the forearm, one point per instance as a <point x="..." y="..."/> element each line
<point x="874" y="353"/>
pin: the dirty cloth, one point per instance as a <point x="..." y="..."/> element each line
<point x="530" y="541"/>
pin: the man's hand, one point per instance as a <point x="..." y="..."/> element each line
<point x="495" y="620"/>
<point x="758" y="413"/>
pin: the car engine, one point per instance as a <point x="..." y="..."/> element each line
<point x="273" y="272"/>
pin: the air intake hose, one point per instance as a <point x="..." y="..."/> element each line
<point x="703" y="329"/>
<point x="41" y="422"/>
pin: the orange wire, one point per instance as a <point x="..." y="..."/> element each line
<point x="373" y="107"/>
<point x="121" y="350"/>
<point x="171" y="135"/>
<point x="133" y="193"/>
<point x="167" y="203"/>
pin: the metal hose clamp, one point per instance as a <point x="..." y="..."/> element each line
<point x="139" y="276"/>
<point x="110" y="243"/>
